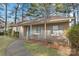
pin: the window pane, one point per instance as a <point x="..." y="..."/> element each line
<point x="61" y="27"/>
<point x="55" y="28"/>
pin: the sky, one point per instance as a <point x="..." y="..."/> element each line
<point x="10" y="8"/>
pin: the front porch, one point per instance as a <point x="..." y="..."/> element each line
<point x="46" y="31"/>
<point x="42" y="29"/>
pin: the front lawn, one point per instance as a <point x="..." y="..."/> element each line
<point x="39" y="50"/>
<point x="4" y="42"/>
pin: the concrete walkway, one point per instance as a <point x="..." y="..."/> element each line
<point x="17" y="49"/>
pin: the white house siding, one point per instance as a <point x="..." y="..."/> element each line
<point x="14" y="28"/>
<point x="21" y="32"/>
<point x="2" y="29"/>
<point x="26" y="32"/>
<point x="2" y="26"/>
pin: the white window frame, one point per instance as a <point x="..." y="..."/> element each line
<point x="55" y="27"/>
<point x="56" y="30"/>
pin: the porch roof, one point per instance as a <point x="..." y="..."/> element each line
<point x="52" y="19"/>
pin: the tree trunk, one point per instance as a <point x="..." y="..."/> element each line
<point x="74" y="14"/>
<point x="15" y="16"/>
<point x="74" y="18"/>
<point x="16" y="9"/>
<point x="45" y="11"/>
<point x="5" y="18"/>
<point x="22" y="14"/>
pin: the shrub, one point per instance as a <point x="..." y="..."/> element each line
<point x="1" y="33"/>
<point x="73" y="35"/>
<point x="49" y="42"/>
<point x="16" y="34"/>
<point x="9" y="32"/>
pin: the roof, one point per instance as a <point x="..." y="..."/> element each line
<point x="13" y="24"/>
<point x="2" y="23"/>
<point x="52" y="19"/>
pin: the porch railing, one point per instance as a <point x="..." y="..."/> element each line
<point x="41" y="36"/>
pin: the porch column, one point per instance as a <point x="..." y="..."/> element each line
<point x="21" y="32"/>
<point x="45" y="31"/>
<point x="70" y="23"/>
<point x="27" y="33"/>
<point x="12" y="31"/>
<point x="31" y="31"/>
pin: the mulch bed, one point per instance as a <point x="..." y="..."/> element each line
<point x="45" y="43"/>
<point x="62" y="49"/>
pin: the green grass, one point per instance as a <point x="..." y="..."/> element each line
<point x="38" y="50"/>
<point x="4" y="42"/>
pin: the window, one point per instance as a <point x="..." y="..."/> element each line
<point x="55" y="28"/>
<point x="61" y="27"/>
<point x="38" y="29"/>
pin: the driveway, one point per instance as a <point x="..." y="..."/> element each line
<point x="17" y="49"/>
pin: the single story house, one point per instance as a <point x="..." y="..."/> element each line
<point x="2" y="25"/>
<point x="42" y="28"/>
